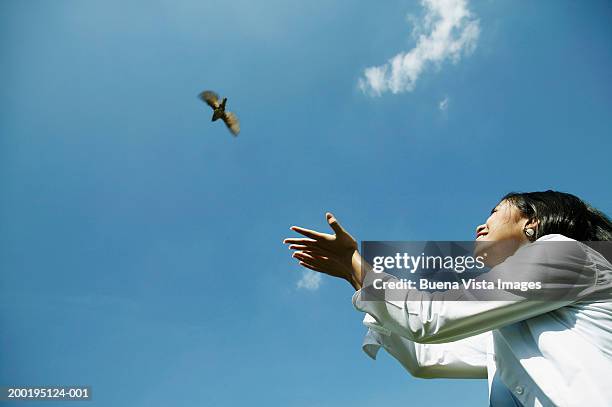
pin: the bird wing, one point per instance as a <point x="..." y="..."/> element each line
<point x="210" y="98"/>
<point x="232" y="123"/>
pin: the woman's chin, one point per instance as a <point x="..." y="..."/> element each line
<point x="493" y="252"/>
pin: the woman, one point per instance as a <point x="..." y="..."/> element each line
<point x="533" y="353"/>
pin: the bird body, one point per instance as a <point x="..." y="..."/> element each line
<point x="229" y="118"/>
<point x="219" y="111"/>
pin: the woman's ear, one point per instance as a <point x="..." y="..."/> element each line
<point x="532" y="223"/>
<point x="530" y="229"/>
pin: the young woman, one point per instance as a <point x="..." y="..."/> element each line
<point x="534" y="353"/>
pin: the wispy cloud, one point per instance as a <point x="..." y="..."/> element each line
<point x="311" y="280"/>
<point x="447" y="31"/>
<point x="443" y="104"/>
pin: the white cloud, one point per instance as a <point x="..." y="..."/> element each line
<point x="443" y="104"/>
<point x="311" y="280"/>
<point x="447" y="31"/>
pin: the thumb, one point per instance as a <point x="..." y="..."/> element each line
<point x="334" y="224"/>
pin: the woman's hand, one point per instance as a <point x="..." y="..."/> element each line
<point x="335" y="254"/>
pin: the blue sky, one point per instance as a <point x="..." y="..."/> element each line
<point x="140" y="244"/>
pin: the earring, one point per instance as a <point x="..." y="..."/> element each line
<point x="529" y="232"/>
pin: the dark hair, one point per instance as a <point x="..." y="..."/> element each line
<point x="562" y="213"/>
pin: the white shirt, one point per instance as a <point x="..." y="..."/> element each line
<point x="547" y="353"/>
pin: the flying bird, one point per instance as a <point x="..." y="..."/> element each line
<point x="229" y="118"/>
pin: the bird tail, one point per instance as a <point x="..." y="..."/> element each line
<point x="223" y="103"/>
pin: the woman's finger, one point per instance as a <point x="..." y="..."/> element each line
<point x="313" y="234"/>
<point x="302" y="256"/>
<point x="313" y="256"/>
<point x="334" y="224"/>
<point x="312" y="262"/>
<point x="319" y="250"/>
<point x="299" y="247"/>
<point x="298" y="240"/>
<point x="320" y="265"/>
<point x="309" y="247"/>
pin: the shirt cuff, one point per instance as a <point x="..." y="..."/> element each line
<point x="372" y="342"/>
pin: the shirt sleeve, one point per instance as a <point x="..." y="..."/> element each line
<point x="424" y="317"/>
<point x="466" y="358"/>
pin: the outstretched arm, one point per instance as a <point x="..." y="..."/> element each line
<point x="465" y="358"/>
<point x="337" y="255"/>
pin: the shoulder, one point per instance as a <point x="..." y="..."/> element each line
<point x="555" y="237"/>
<point x="558" y="246"/>
<point x="596" y="256"/>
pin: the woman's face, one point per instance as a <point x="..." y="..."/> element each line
<point x="501" y="235"/>
<point x="505" y="223"/>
